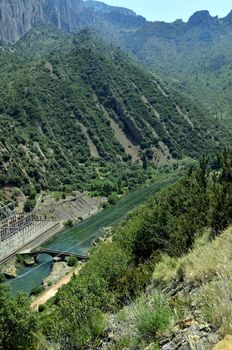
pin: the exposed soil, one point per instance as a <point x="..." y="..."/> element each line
<point x="51" y="292"/>
<point x="93" y="149"/>
<point x="185" y="116"/>
<point x="225" y="344"/>
<point x="121" y="137"/>
<point x="59" y="270"/>
<point x="80" y="205"/>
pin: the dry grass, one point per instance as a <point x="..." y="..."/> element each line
<point x="225" y="344"/>
<point x="215" y="299"/>
<point x="210" y="265"/>
<point x="201" y="264"/>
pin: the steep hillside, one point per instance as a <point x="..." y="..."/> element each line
<point x="111" y="106"/>
<point x="200" y="52"/>
<point x="73" y="118"/>
<point x="200" y="49"/>
<point x="194" y="56"/>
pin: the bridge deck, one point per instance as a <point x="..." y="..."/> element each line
<point x="54" y="253"/>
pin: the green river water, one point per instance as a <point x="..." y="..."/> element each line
<point x="79" y="239"/>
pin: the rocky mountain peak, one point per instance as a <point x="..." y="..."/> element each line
<point x="228" y="18"/>
<point x="200" y="17"/>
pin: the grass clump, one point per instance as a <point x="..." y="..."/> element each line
<point x="152" y="316"/>
<point x="214" y="299"/>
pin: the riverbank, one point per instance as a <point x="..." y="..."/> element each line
<point x="10" y="265"/>
<point x="51" y="292"/>
<point x="9" y="269"/>
<point x="80" y="238"/>
<point x="59" y="270"/>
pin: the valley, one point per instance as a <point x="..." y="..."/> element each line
<point x="80" y="239"/>
<point x="115" y="178"/>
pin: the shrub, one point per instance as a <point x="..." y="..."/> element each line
<point x="152" y="317"/>
<point x="37" y="290"/>
<point x="68" y="223"/>
<point x="72" y="261"/>
<point x="97" y="323"/>
<point x="29" y="205"/>
<point x="2" y="277"/>
<point x="41" y="308"/>
<point x="19" y="259"/>
<point x="113" y="198"/>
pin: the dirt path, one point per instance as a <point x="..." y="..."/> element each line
<point x="51" y="292"/>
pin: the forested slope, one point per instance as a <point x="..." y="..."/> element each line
<point x="74" y="115"/>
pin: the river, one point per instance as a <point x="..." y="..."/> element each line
<point x="79" y="239"/>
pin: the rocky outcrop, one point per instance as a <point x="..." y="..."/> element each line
<point x="64" y="14"/>
<point x="190" y="335"/>
<point x="17" y="17"/>
<point x="200" y="17"/>
<point x="9" y="269"/>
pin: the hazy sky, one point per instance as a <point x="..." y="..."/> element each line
<point x="170" y="10"/>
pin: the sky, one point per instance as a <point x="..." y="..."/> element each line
<point x="170" y="10"/>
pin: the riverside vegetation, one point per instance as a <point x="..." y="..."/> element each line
<point x="155" y="243"/>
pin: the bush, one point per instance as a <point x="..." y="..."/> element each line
<point x="41" y="308"/>
<point x="152" y="317"/>
<point x="29" y="205"/>
<point x="2" y="277"/>
<point x="37" y="290"/>
<point x="68" y="223"/>
<point x="19" y="259"/>
<point x="72" y="261"/>
<point x="113" y="198"/>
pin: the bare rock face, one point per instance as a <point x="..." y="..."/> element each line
<point x="64" y="14"/>
<point x="18" y="16"/>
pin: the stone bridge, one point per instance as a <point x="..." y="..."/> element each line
<point x="53" y="253"/>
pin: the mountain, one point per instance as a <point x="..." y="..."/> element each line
<point x="193" y="57"/>
<point x="85" y="113"/>
<point x="200" y="49"/>
<point x="17" y="18"/>
<point x="112" y="108"/>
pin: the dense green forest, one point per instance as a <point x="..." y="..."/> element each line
<point x="119" y="270"/>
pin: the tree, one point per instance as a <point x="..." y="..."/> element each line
<point x="18" y="323"/>
<point x="29" y="205"/>
<point x="72" y="261"/>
